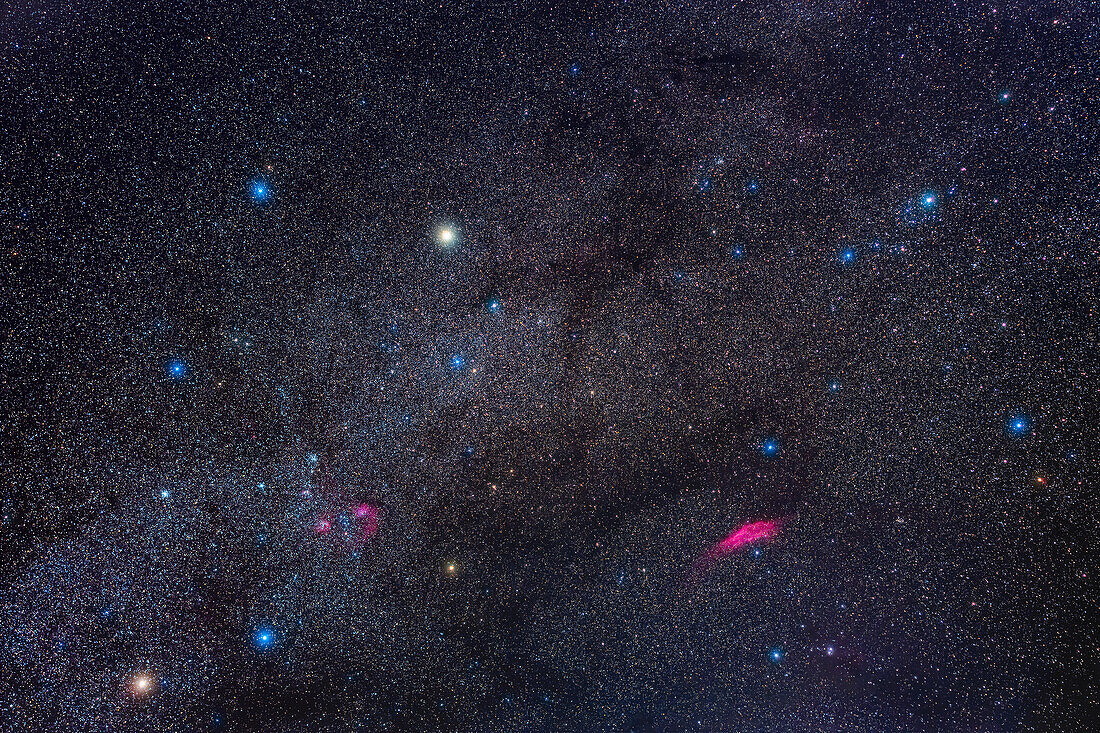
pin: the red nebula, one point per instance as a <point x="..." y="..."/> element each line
<point x="368" y="513"/>
<point x="323" y="526"/>
<point x="745" y="535"/>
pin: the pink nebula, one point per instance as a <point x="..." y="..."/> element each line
<point x="746" y="534"/>
<point x="743" y="536"/>
<point x="368" y="513"/>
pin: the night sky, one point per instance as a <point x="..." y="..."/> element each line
<point x="632" y="365"/>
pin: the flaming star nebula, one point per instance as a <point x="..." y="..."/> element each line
<point x="648" y="365"/>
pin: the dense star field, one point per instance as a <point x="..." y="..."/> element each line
<point x="631" y="365"/>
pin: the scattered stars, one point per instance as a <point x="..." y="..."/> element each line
<point x="404" y="370"/>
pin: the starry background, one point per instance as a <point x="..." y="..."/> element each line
<point x="390" y="366"/>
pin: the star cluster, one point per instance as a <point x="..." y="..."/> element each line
<point x="391" y="366"/>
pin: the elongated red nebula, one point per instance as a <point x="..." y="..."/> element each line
<point x="744" y="535"/>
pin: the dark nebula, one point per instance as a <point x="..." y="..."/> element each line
<point x="390" y="366"/>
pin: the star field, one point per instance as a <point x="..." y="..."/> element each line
<point x="612" y="366"/>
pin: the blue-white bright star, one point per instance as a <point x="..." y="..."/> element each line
<point x="458" y="361"/>
<point x="494" y="305"/>
<point x="1019" y="425"/>
<point x="263" y="637"/>
<point x="929" y="199"/>
<point x="847" y="255"/>
<point x="177" y="368"/>
<point x="259" y="191"/>
<point x="1004" y="96"/>
<point x="770" y="446"/>
<point x="738" y="252"/>
<point x="776" y="655"/>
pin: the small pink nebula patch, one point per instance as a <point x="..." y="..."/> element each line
<point x="323" y="526"/>
<point x="368" y="515"/>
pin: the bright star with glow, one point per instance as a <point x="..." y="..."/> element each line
<point x="770" y="446"/>
<point x="177" y="369"/>
<point x="776" y="655"/>
<point x="494" y="305"/>
<point x="847" y="255"/>
<point x="928" y="199"/>
<point x="1005" y="96"/>
<point x="1019" y="425"/>
<point x="260" y="191"/>
<point x="142" y="684"/>
<point x="458" y="361"/>
<point x="263" y="637"/>
<point x="446" y="236"/>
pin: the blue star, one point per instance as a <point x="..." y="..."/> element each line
<point x="494" y="305"/>
<point x="1004" y="96"/>
<point x="260" y="191"/>
<point x="458" y="361"/>
<point x="847" y="255"/>
<point x="738" y="252"/>
<point x="834" y="386"/>
<point x="177" y="368"/>
<point x="263" y="637"/>
<point x="1018" y="425"/>
<point x="575" y="70"/>
<point x="770" y="446"/>
<point x="929" y="199"/>
<point x="776" y="655"/>
<point x="165" y="493"/>
<point x="752" y="186"/>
